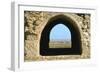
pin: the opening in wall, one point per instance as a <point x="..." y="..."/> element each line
<point x="60" y="37"/>
<point x="46" y="36"/>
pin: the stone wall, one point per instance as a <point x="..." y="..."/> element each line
<point x="34" y="23"/>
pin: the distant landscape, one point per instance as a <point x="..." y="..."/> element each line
<point x="59" y="44"/>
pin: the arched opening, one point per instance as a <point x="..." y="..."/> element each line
<point x="60" y="37"/>
<point x="75" y="37"/>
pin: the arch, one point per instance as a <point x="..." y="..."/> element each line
<point x="60" y="32"/>
<point x="60" y="36"/>
<point x="76" y="48"/>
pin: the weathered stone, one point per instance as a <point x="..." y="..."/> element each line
<point x="36" y="21"/>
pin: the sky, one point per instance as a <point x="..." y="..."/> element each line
<point x="60" y="32"/>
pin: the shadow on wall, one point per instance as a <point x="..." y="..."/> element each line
<point x="75" y="49"/>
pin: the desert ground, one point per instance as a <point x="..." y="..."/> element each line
<point x="59" y="44"/>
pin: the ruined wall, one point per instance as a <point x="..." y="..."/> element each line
<point x="35" y="21"/>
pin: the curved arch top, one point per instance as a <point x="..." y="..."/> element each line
<point x="60" y="32"/>
<point x="76" y="48"/>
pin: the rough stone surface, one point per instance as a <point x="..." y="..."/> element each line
<point x="35" y="21"/>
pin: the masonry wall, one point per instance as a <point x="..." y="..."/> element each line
<point x="34" y="23"/>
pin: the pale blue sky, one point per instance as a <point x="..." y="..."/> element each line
<point x="60" y="32"/>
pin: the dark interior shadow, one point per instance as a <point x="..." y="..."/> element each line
<point x="75" y="35"/>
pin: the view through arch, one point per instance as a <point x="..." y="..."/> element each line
<point x="38" y="30"/>
<point x="46" y="50"/>
<point x="60" y="37"/>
